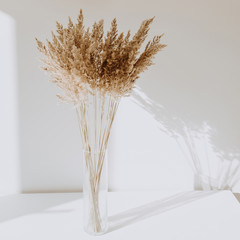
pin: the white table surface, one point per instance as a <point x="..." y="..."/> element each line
<point x="132" y="215"/>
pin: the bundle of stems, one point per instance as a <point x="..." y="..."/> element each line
<point x="94" y="71"/>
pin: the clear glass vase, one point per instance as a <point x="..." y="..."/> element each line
<point x="95" y="117"/>
<point x="95" y="188"/>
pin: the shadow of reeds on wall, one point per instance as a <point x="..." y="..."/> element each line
<point x="215" y="165"/>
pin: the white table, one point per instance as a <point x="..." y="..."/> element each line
<point x="132" y="215"/>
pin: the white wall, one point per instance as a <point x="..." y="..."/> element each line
<point x="187" y="108"/>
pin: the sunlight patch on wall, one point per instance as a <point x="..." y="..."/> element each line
<point x="9" y="165"/>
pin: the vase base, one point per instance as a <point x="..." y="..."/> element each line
<point x="90" y="232"/>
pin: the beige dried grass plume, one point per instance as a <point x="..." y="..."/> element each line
<point x="80" y="61"/>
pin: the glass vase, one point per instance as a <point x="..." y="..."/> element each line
<point x="95" y="117"/>
<point x="95" y="188"/>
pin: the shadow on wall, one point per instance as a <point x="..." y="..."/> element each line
<point x="215" y="165"/>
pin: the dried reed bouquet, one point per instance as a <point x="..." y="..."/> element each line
<point x="94" y="71"/>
